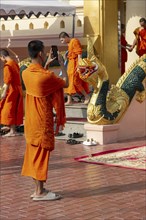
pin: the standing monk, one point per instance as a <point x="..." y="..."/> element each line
<point x="76" y="84"/>
<point x="11" y="104"/>
<point x="44" y="92"/>
<point x="140" y="38"/>
<point x="124" y="47"/>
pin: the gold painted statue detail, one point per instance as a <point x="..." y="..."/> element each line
<point x="108" y="106"/>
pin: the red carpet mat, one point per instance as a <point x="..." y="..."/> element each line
<point x="132" y="158"/>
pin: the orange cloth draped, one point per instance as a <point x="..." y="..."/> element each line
<point x="76" y="84"/>
<point x="44" y="91"/>
<point x="123" y="53"/>
<point x="34" y="165"/>
<point x="11" y="108"/>
<point x="141" y="41"/>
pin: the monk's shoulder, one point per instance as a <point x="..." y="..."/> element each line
<point x="75" y="40"/>
<point x="12" y="65"/>
<point x="136" y="31"/>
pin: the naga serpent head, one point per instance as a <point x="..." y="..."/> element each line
<point x="91" y="71"/>
<point x="88" y="71"/>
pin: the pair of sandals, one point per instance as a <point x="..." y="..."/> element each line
<point x="50" y="196"/>
<point x="75" y="135"/>
<point x="73" y="142"/>
<point x="4" y="130"/>
<point x="90" y="142"/>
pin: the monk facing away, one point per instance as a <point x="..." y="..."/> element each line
<point x="11" y="103"/>
<point x="76" y="84"/>
<point x="44" y="92"/>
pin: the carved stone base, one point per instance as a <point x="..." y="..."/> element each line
<point x="103" y="134"/>
<point x="132" y="125"/>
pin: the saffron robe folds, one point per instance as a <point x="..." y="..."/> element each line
<point x="36" y="162"/>
<point x="76" y="84"/>
<point x="11" y="108"/>
<point x="141" y="41"/>
<point x="44" y="91"/>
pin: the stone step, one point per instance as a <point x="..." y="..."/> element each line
<point x="74" y="125"/>
<point x="76" y="116"/>
<point x="77" y="110"/>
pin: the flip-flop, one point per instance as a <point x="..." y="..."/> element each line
<point x="8" y="135"/>
<point x="73" y="142"/>
<point x="75" y="135"/>
<point x="3" y="132"/>
<point x="50" y="196"/>
<point x="5" y="129"/>
<point x="59" y="134"/>
<point x="34" y="194"/>
<point x="90" y="142"/>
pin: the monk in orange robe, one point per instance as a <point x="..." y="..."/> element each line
<point x="11" y="104"/>
<point x="140" y="38"/>
<point x="76" y="84"/>
<point x="124" y="47"/>
<point x="44" y="92"/>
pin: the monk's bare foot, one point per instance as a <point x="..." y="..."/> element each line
<point x="34" y="194"/>
<point x="44" y="193"/>
<point x="86" y="101"/>
<point x="68" y="103"/>
<point x="9" y="134"/>
<point x="5" y="128"/>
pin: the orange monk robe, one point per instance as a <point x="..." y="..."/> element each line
<point x="11" y="108"/>
<point x="141" y="41"/>
<point x="44" y="91"/>
<point x="76" y="84"/>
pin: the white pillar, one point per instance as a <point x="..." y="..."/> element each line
<point x="134" y="11"/>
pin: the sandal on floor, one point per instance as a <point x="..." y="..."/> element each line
<point x="8" y="135"/>
<point x="3" y="132"/>
<point x="60" y="134"/>
<point x="89" y="142"/>
<point x="5" y="129"/>
<point x="75" y="135"/>
<point x="73" y="142"/>
<point x="50" y="196"/>
<point x="34" y="194"/>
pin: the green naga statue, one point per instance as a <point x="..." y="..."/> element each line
<point x="108" y="106"/>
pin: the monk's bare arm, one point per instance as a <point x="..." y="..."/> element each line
<point x="136" y="33"/>
<point x="133" y="45"/>
<point x="5" y="89"/>
<point x="49" y="60"/>
<point x="79" y="56"/>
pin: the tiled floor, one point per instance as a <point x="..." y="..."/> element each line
<point x="90" y="192"/>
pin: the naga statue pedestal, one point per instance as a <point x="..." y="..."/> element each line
<point x="131" y="126"/>
<point x="102" y="134"/>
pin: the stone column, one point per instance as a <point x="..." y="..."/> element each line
<point x="134" y="11"/>
<point x="100" y="22"/>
